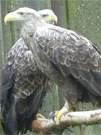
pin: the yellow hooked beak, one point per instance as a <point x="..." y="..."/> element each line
<point x="52" y="19"/>
<point x="11" y="17"/>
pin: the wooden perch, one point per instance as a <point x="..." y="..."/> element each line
<point x="71" y="118"/>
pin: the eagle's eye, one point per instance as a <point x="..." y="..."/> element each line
<point x="21" y="13"/>
<point x="45" y="15"/>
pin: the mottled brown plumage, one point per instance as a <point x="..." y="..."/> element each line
<point x="75" y="59"/>
<point x="69" y="59"/>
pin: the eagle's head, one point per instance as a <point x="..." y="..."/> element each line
<point x="26" y="14"/>
<point x="48" y="15"/>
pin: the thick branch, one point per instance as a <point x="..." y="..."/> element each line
<point x="72" y="118"/>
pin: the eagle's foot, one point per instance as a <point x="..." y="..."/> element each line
<point x="56" y="116"/>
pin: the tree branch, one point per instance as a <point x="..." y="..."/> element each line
<point x="71" y="118"/>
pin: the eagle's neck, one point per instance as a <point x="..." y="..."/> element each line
<point x="27" y="32"/>
<point x="31" y="26"/>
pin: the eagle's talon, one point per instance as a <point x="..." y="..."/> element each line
<point x="55" y="116"/>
